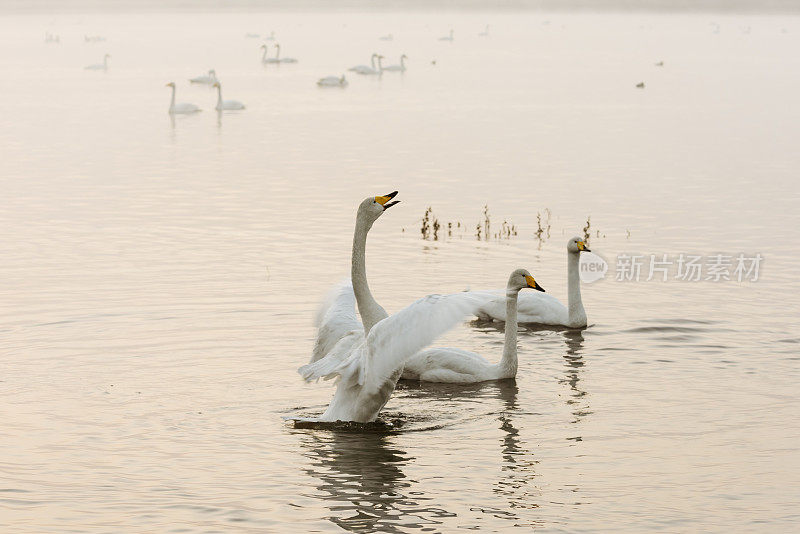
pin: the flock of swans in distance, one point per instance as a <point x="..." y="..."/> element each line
<point x="375" y="68"/>
<point x="369" y="355"/>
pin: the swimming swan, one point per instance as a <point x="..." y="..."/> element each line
<point x="545" y="309"/>
<point x="362" y="69"/>
<point x="369" y="360"/>
<point x="372" y="70"/>
<point x="332" y="81"/>
<point x="463" y="367"/>
<point x="285" y="59"/>
<point x="99" y="66"/>
<point x="181" y="108"/>
<point x="398" y="68"/>
<point x="206" y="79"/>
<point x="227" y="105"/>
<point x="447" y="38"/>
<point x="268" y="60"/>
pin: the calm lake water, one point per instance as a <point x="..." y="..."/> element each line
<point x="159" y="277"/>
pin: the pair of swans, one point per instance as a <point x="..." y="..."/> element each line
<point x="99" y="66"/>
<point x="370" y="356"/>
<point x="226" y="105"/>
<point x="277" y="58"/>
<point x="371" y="69"/>
<point x="182" y="108"/>
<point x="332" y="81"/>
<point x="205" y="79"/>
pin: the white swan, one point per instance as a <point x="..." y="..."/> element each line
<point x="99" y="66"/>
<point x="332" y="81"/>
<point x="206" y="79"/>
<point x="373" y="71"/>
<point x="283" y="59"/>
<point x="484" y="33"/>
<point x="464" y="367"/>
<point x="544" y="309"/>
<point x="363" y="69"/>
<point x="447" y="38"/>
<point x="370" y="365"/>
<point x="181" y="108"/>
<point x="268" y="60"/>
<point x="388" y="37"/>
<point x="398" y="68"/>
<point x="271" y="36"/>
<point x="227" y="105"/>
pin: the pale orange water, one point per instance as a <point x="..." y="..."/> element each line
<point x="159" y="278"/>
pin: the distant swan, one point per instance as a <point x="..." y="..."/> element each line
<point x="284" y="59"/>
<point x="363" y="69"/>
<point x="464" y="367"/>
<point x="370" y="365"/>
<point x="332" y="81"/>
<point x="398" y="68"/>
<point x="99" y="66"/>
<point x="270" y="37"/>
<point x="268" y="60"/>
<point x="544" y="309"/>
<point x="207" y="79"/>
<point x="372" y="71"/>
<point x="181" y="108"/>
<point x="447" y="38"/>
<point x="484" y="33"/>
<point x="227" y="105"/>
<point x="388" y="37"/>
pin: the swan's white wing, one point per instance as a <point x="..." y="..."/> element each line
<point x="398" y="337"/>
<point x="335" y="318"/>
<point x="532" y="307"/>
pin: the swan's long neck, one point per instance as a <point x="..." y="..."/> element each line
<point x="372" y="61"/>
<point x="508" y="363"/>
<point x="577" y="315"/>
<point x="380" y="66"/>
<point x="219" y="95"/>
<point x="172" y="101"/>
<point x="264" y="55"/>
<point x="371" y="312"/>
<point x="402" y="62"/>
<point x="278" y="51"/>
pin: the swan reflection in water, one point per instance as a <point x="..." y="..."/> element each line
<point x="361" y="475"/>
<point x="573" y="366"/>
<point x="362" y="481"/>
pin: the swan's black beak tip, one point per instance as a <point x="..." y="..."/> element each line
<point x="390" y="204"/>
<point x="539" y="288"/>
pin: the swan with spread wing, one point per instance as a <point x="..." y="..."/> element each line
<point x="369" y="359"/>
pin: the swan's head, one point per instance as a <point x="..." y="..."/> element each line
<point x="171" y="84"/>
<point x="404" y="56"/>
<point x="216" y="84"/>
<point x="373" y="207"/>
<point x="212" y="72"/>
<point x="107" y="56"/>
<point x="264" y="47"/>
<point x="520" y="279"/>
<point x="577" y="245"/>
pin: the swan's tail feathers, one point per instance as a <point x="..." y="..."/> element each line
<point x="344" y="361"/>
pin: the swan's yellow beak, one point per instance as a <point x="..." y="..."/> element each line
<point x="384" y="200"/>
<point x="533" y="285"/>
<point x="582" y="247"/>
